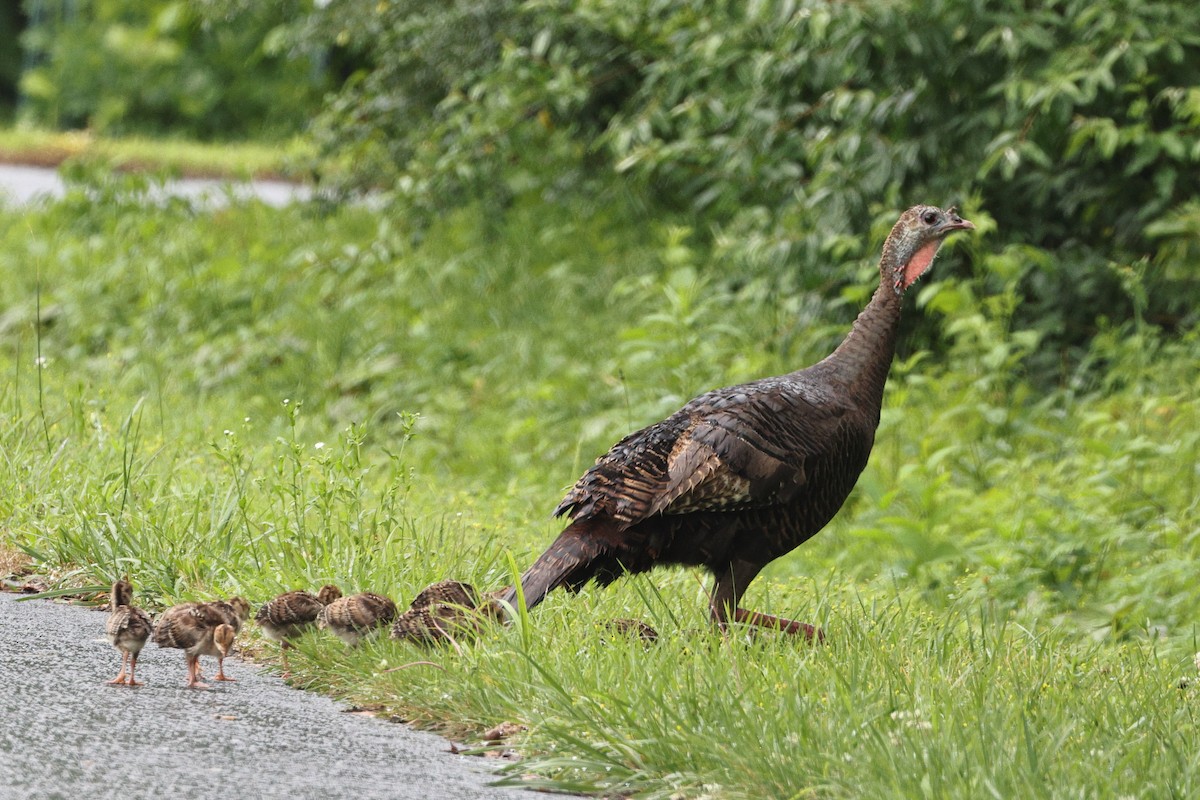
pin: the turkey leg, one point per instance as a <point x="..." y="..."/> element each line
<point x="727" y="593"/>
<point x="120" y="679"/>
<point x="221" y="676"/>
<point x="783" y="624"/>
<point x="194" y="673"/>
<point x="132" y="681"/>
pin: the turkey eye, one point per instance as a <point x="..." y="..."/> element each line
<point x="929" y="217"/>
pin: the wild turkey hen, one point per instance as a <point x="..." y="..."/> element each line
<point x="741" y="476"/>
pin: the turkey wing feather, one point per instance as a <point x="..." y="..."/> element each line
<point x="732" y="449"/>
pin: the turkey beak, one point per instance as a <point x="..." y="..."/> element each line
<point x="956" y="223"/>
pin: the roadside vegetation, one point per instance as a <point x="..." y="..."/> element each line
<point x="175" y="158"/>
<point x="582" y="216"/>
<point x="250" y="400"/>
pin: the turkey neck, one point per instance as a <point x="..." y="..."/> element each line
<point x="861" y="362"/>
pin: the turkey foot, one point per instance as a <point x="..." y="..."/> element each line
<point x="194" y="677"/>
<point x="809" y="632"/>
<point x="120" y="679"/>
<point x="131" y="680"/>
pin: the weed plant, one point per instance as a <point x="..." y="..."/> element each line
<point x="251" y="400"/>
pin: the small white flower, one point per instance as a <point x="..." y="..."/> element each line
<point x="318" y="445"/>
<point x="912" y="719"/>
<point x="40" y="362"/>
<point x="228" y="432"/>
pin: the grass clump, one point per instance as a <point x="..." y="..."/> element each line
<point x="252" y="399"/>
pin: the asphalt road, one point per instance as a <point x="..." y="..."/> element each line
<point x="65" y="734"/>
<point x="22" y="184"/>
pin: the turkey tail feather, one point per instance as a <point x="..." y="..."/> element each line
<point x="571" y="560"/>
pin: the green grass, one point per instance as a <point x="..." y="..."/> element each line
<point x="22" y="145"/>
<point x="902" y="703"/>
<point x="253" y="399"/>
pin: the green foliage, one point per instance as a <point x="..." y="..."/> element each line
<point x="166" y="67"/>
<point x="418" y="54"/>
<point x="781" y="127"/>
<point x="10" y="57"/>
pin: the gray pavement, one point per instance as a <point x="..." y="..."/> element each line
<point x="22" y="184"/>
<point x="65" y="734"/>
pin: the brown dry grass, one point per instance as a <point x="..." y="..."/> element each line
<point x="12" y="561"/>
<point x="132" y="154"/>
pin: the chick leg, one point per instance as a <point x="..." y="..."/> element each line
<point x="194" y="673"/>
<point x="133" y="657"/>
<point x="221" y="676"/>
<point x="120" y="679"/>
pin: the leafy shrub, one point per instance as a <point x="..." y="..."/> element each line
<point x="166" y="67"/>
<point x="780" y="128"/>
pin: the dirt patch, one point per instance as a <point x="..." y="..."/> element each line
<point x="12" y="561"/>
<point x="45" y="157"/>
